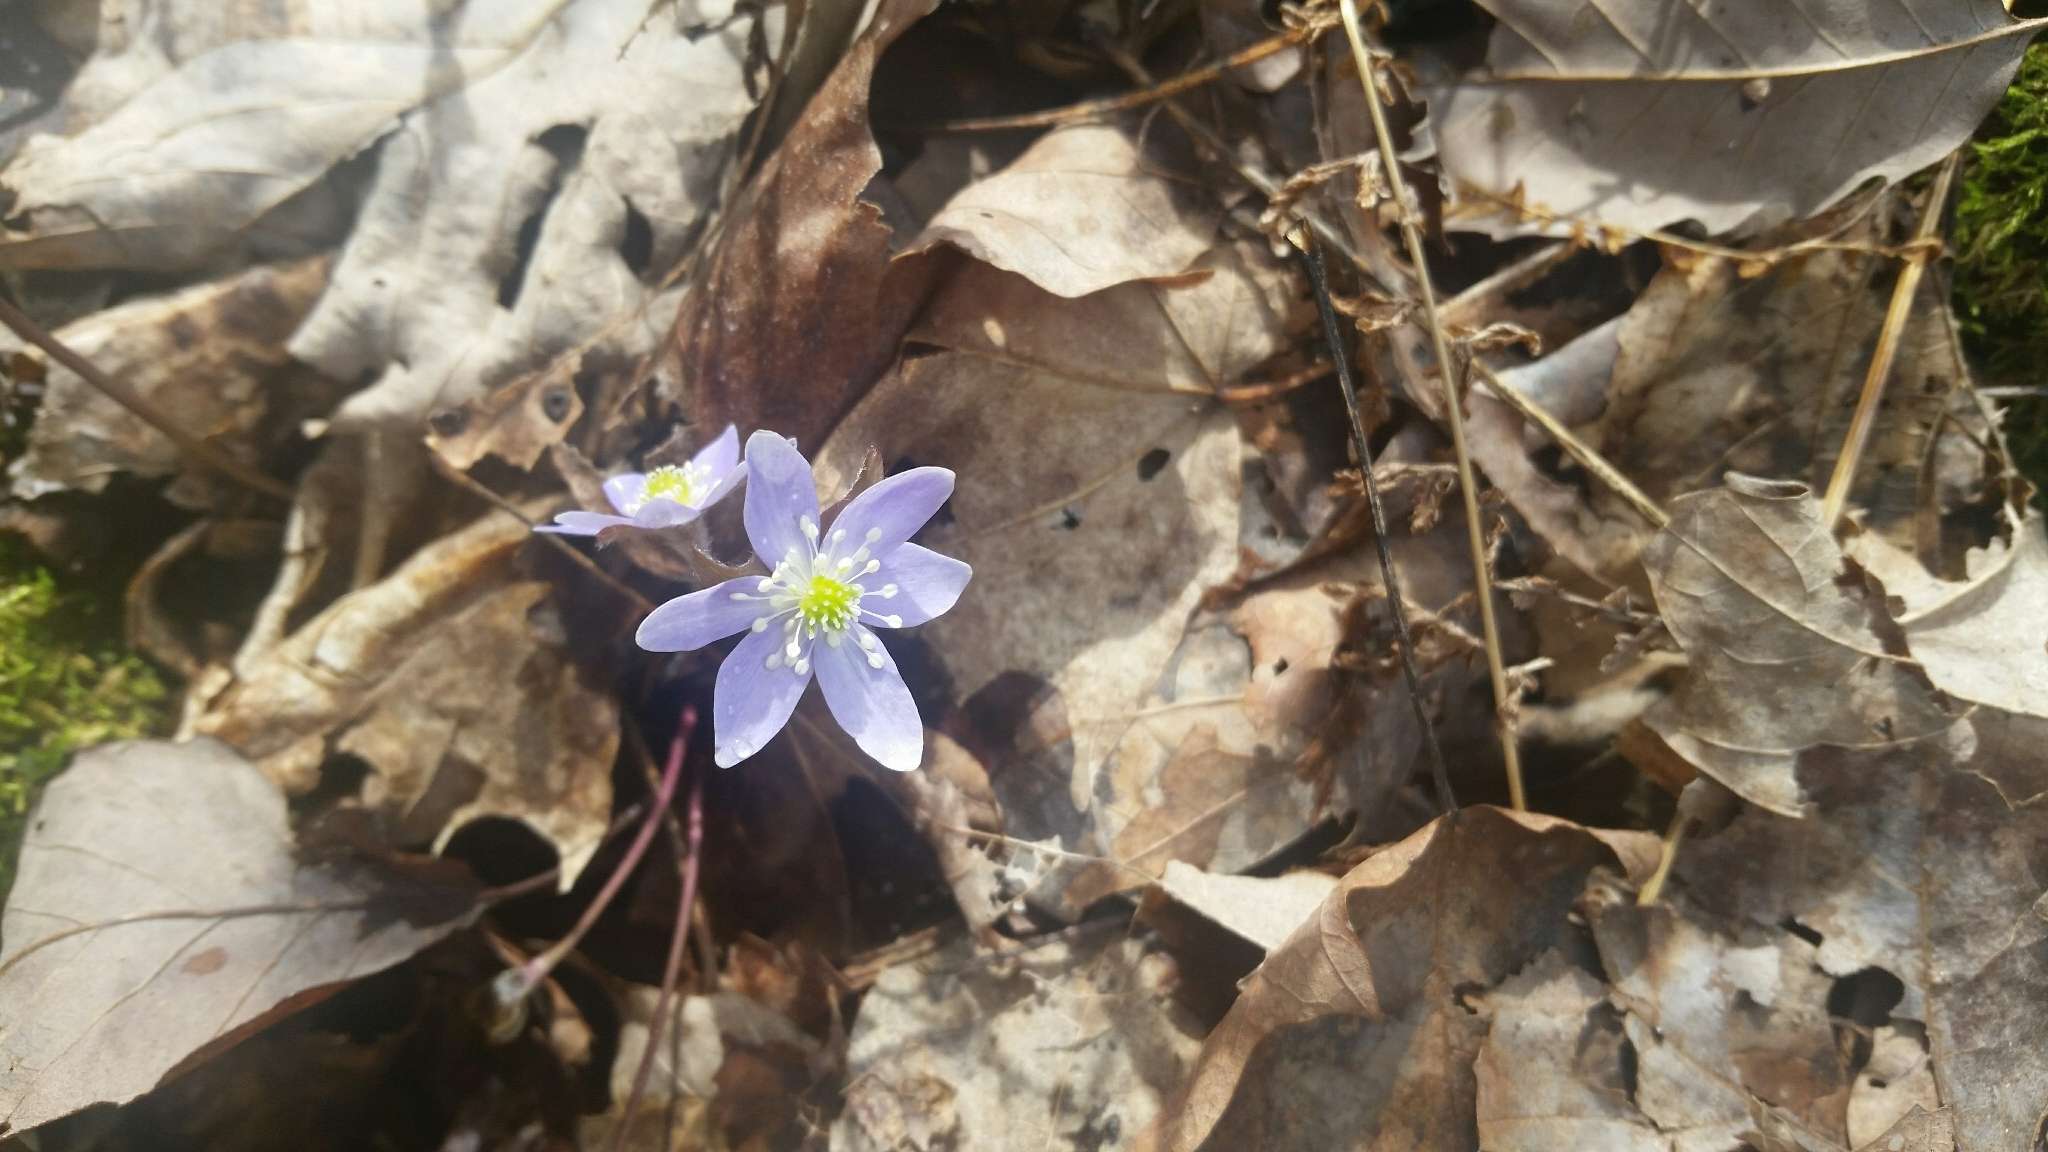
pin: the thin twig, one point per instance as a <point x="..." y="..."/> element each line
<point x="1895" y="317"/>
<point x="1674" y="836"/>
<point x="1333" y="334"/>
<point x="685" y="912"/>
<point x="1579" y="450"/>
<point x="515" y="984"/>
<point x="1088" y="110"/>
<point x="1468" y="484"/>
<point x="120" y="393"/>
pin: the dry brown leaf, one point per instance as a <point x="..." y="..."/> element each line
<point x="161" y="915"/>
<point x="1356" y="1032"/>
<point x="1720" y="1018"/>
<point x="1083" y="209"/>
<point x="1262" y="909"/>
<point x="609" y="119"/>
<point x="1550" y="1075"/>
<point x="799" y="307"/>
<point x="1712" y="371"/>
<point x="1917" y="856"/>
<point x="454" y="683"/>
<point x="211" y="355"/>
<point x="1074" y="1043"/>
<point x="1984" y="640"/>
<point x="1921" y="1130"/>
<point x="1789" y="649"/>
<point x="690" y="1082"/>
<point x="1638" y="116"/>
<point x="191" y="122"/>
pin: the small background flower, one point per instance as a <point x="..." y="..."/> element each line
<point x="668" y="495"/>
<point x="816" y="611"/>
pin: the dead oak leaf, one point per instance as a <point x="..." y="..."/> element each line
<point x="161" y="914"/>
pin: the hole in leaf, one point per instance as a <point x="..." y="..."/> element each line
<point x="554" y="404"/>
<point x="565" y="143"/>
<point x="636" y="246"/>
<point x="1151" y="462"/>
<point x="1069" y="519"/>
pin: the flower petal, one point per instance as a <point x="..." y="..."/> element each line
<point x="624" y="489"/>
<point x="927" y="584"/>
<point x="582" y="523"/>
<point x="872" y="704"/>
<point x="722" y="455"/>
<point x="897" y="506"/>
<point x="688" y="623"/>
<point x="724" y="487"/>
<point x="780" y="493"/>
<point x="665" y="514"/>
<point x="750" y="701"/>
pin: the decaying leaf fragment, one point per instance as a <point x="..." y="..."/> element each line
<point x="211" y="355"/>
<point x="1639" y="115"/>
<point x="1356" y="1033"/>
<point x="160" y="912"/>
<point x="1070" y="1045"/>
<point x="452" y="681"/>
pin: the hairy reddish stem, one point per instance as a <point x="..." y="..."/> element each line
<point x="516" y="984"/>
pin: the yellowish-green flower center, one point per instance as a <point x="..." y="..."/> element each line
<point x="825" y="603"/>
<point x="669" y="482"/>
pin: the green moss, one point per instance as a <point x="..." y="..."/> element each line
<point x="2001" y="247"/>
<point x="65" y="684"/>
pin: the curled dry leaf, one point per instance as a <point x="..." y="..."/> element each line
<point x="1356" y="1032"/>
<point x="799" y="307"/>
<point x="212" y="355"/>
<point x="160" y="915"/>
<point x="1642" y="115"/>
<point x="1072" y="1044"/>
<point x="452" y="681"/>
<point x="1083" y="209"/>
<point x="1789" y="649"/>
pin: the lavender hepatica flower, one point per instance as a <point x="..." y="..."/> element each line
<point x="668" y="496"/>
<point x="816" y="613"/>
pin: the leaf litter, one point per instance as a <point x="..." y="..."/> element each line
<point x="1170" y="872"/>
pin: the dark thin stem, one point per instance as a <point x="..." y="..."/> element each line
<point x="516" y="984"/>
<point x="1333" y="335"/>
<point x="120" y="393"/>
<point x="677" y="944"/>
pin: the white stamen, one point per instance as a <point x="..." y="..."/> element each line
<point x="873" y="567"/>
<point x="891" y="621"/>
<point x="888" y="592"/>
<point x="760" y="625"/>
<point x="832" y="639"/>
<point x="874" y="534"/>
<point x="838" y="534"/>
<point x="844" y="565"/>
<point x="767" y="584"/>
<point x="874" y="659"/>
<point x="810" y="528"/>
<point x="802" y="665"/>
<point x="774" y="661"/>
